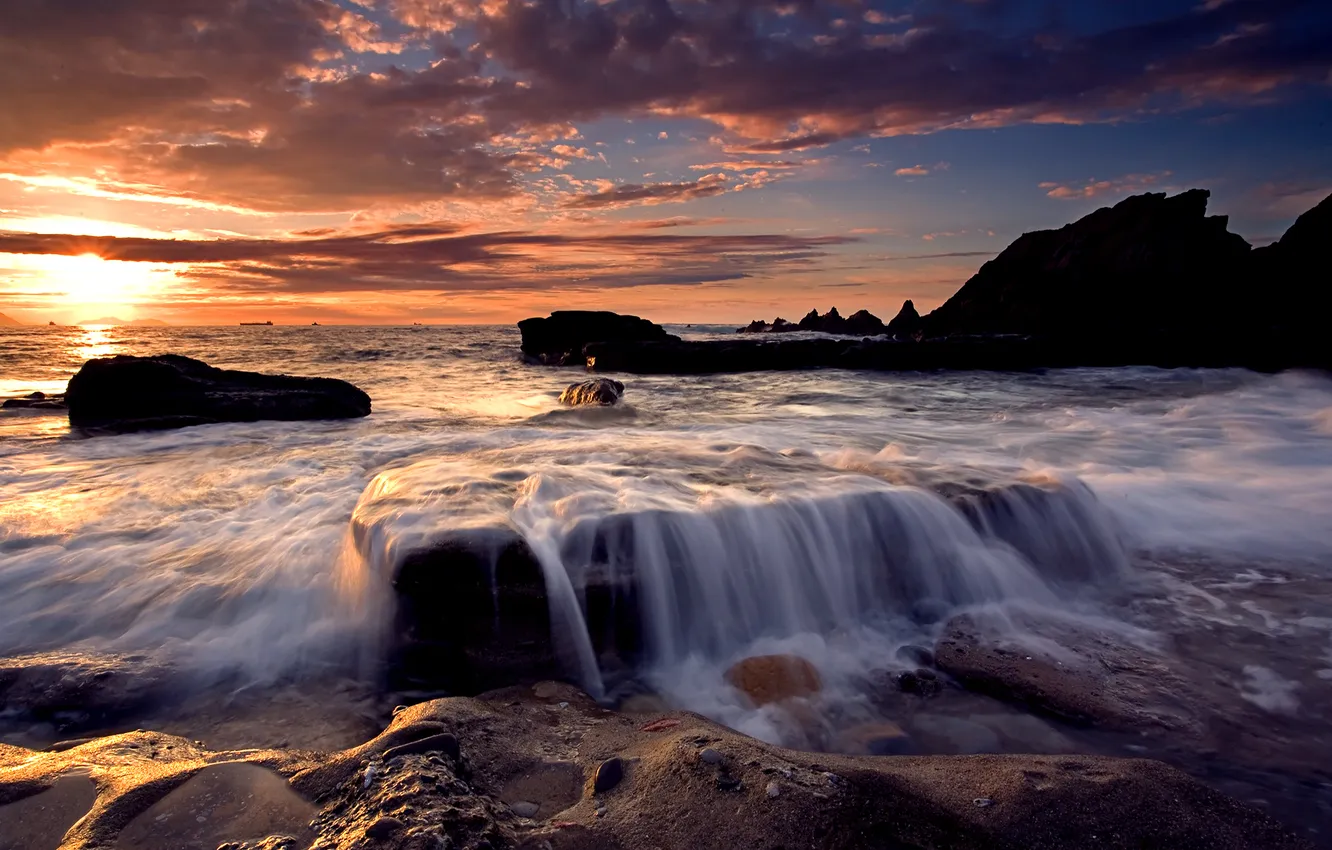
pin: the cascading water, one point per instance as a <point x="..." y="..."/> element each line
<point x="851" y="567"/>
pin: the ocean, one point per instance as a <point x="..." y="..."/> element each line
<point x="1195" y="528"/>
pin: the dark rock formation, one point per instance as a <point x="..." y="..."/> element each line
<point x="472" y="614"/>
<point x="602" y="391"/>
<point x="34" y="401"/>
<point x="1152" y="281"/>
<point x="778" y="325"/>
<point x="1151" y="263"/>
<point x="860" y="323"/>
<point x="125" y="393"/>
<point x="1292" y="275"/>
<point x="559" y="339"/>
<point x="906" y="324"/>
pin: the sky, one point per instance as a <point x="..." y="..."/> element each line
<point x="390" y="161"/>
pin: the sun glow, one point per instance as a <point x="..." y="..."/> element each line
<point x="87" y="281"/>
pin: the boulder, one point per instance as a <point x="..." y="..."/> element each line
<point x="559" y="339"/>
<point x="126" y="393"/>
<point x="906" y="324"/>
<point x="1072" y="674"/>
<point x="773" y="678"/>
<point x="34" y="401"/>
<point x="1151" y="263"/>
<point x="1292" y="274"/>
<point x="598" y="391"/>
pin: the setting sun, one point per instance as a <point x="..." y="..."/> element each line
<point x="89" y="282"/>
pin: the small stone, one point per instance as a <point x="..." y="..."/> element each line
<point x="383" y="828"/>
<point x="710" y="756"/>
<point x="773" y="790"/>
<point x="609" y="775"/>
<point x="525" y="810"/>
<point x="983" y="802"/>
<point x="728" y="783"/>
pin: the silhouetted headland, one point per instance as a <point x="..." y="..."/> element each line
<point x="1151" y="281"/>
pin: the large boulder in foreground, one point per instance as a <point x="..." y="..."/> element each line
<point x="558" y="340"/>
<point x="126" y="393"/>
<point x="1151" y="263"/>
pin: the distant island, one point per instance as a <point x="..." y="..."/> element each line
<point x="134" y="323"/>
<point x="9" y="322"/>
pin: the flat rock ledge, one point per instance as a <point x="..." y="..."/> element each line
<point x="518" y="768"/>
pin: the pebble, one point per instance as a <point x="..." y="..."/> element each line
<point x="609" y="775"/>
<point x="983" y="802"/>
<point x="525" y="810"/>
<point x="383" y="828"/>
<point x="710" y="756"/>
<point x="728" y="783"/>
<point x="773" y="790"/>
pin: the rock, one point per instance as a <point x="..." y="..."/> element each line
<point x="609" y="774"/>
<point x="1099" y="682"/>
<point x="1088" y="277"/>
<point x="383" y="828"/>
<point x="710" y="756"/>
<point x="601" y="391"/>
<point x="126" y="393"/>
<point x="559" y="339"/>
<point x="444" y="743"/>
<point x="863" y="323"/>
<point x="912" y="682"/>
<point x="525" y="809"/>
<point x="1293" y="275"/>
<point x="773" y="790"/>
<point x="771" y="678"/>
<point x="860" y="323"/>
<point x="875" y="739"/>
<point x="79" y="691"/>
<point x="906" y="324"/>
<point x="34" y="401"/>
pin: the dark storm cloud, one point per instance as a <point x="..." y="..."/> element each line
<point x="310" y="105"/>
<point x="447" y="258"/>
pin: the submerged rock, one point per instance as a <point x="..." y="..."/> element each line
<point x="1094" y="680"/>
<point x="772" y="678"/>
<point x="559" y="339"/>
<point x="598" y="391"/>
<point x="126" y="393"/>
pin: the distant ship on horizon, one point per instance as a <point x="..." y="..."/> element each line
<point x="253" y="324"/>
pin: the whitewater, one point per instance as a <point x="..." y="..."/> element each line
<point x="838" y="516"/>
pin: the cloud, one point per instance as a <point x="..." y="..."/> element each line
<point x="646" y="194"/>
<point x="1093" y="188"/>
<point x="314" y="105"/>
<point x="443" y="257"/>
<point x="921" y="170"/>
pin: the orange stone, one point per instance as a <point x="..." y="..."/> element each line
<point x="773" y="678"/>
<point x="660" y="725"/>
